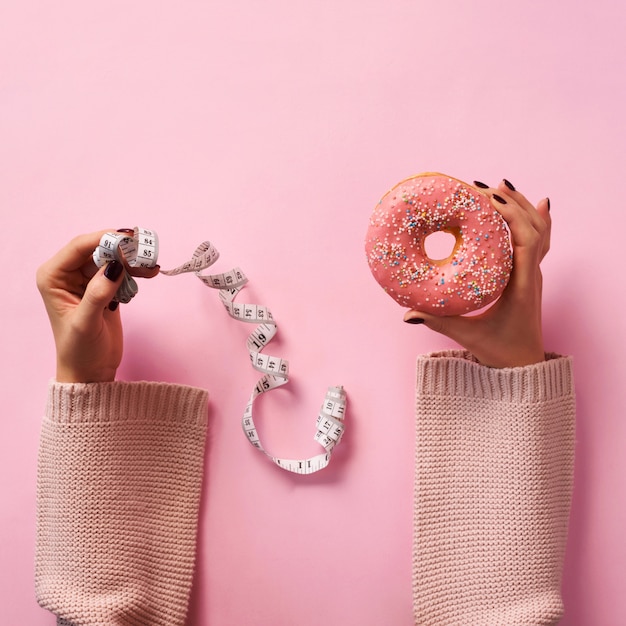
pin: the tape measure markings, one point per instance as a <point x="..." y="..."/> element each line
<point x="142" y="250"/>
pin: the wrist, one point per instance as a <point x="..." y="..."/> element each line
<point x="68" y="374"/>
<point x="518" y="358"/>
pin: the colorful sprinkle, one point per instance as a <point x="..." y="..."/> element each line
<point x="419" y="207"/>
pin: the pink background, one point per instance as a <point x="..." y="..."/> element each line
<point x="272" y="128"/>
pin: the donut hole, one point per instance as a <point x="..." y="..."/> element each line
<point x="439" y="246"/>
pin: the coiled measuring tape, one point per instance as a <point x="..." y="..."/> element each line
<point x="142" y="250"/>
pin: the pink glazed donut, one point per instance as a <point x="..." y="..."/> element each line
<point x="479" y="266"/>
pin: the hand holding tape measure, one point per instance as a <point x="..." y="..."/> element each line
<point x="141" y="249"/>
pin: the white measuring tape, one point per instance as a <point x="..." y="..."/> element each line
<point x="142" y="250"/>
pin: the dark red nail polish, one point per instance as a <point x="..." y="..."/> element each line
<point x="500" y="199"/>
<point x="508" y="184"/>
<point x="113" y="305"/>
<point x="113" y="270"/>
<point x="126" y="230"/>
<point x="414" y="320"/>
<point x="548" y="199"/>
<point x="481" y="185"/>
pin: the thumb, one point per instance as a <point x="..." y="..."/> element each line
<point x="100" y="292"/>
<point x="455" y="327"/>
<point x="433" y="322"/>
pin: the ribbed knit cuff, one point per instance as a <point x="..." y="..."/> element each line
<point x="125" y="401"/>
<point x="118" y="495"/>
<point x="455" y="373"/>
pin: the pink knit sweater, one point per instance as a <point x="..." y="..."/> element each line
<point x="120" y="473"/>
<point x="493" y="482"/>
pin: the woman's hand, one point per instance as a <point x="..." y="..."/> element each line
<point x="85" y="321"/>
<point x="509" y="333"/>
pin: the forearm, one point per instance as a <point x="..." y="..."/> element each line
<point x="493" y="482"/>
<point x="119" y="480"/>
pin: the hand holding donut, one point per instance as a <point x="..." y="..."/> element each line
<point x="509" y="333"/>
<point x="85" y="321"/>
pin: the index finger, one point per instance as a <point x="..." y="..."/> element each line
<point x="538" y="220"/>
<point x="78" y="251"/>
<point x="77" y="255"/>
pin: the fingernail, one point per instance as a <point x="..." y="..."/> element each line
<point x="113" y="270"/>
<point x="548" y="199"/>
<point x="414" y="320"/>
<point x="126" y="230"/>
<point x="500" y="199"/>
<point x="508" y="184"/>
<point x="113" y="305"/>
<point x="481" y="185"/>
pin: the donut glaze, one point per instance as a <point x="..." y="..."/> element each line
<point x="472" y="276"/>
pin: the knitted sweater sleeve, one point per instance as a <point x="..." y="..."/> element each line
<point x="119" y="481"/>
<point x="493" y="484"/>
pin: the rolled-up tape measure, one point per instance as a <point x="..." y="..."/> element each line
<point x="142" y="250"/>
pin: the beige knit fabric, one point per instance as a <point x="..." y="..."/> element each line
<point x="493" y="484"/>
<point x="119" y="481"/>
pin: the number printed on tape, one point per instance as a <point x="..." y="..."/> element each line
<point x="142" y="250"/>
